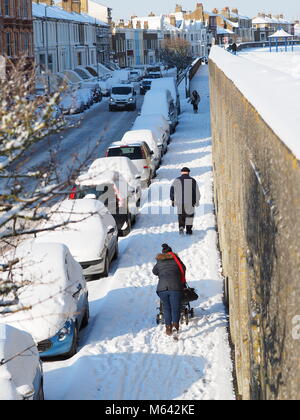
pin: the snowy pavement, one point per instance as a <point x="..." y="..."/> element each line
<point x="124" y="355"/>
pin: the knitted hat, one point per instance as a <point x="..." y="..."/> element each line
<point x="166" y="248"/>
<point x="185" y="170"/>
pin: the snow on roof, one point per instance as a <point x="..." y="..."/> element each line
<point x="39" y="10"/>
<point x="222" y="31"/>
<point x="281" y="34"/>
<point x="257" y="82"/>
<point x="260" y="20"/>
<point x="121" y="164"/>
<point x="84" y="234"/>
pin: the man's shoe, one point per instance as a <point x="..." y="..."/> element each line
<point x="175" y="326"/>
<point x="169" y="329"/>
<point x="189" y="232"/>
<point x="181" y="231"/>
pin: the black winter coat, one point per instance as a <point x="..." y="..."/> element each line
<point x="169" y="273"/>
<point x="185" y="194"/>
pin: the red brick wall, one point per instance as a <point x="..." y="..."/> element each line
<point x="16" y="28"/>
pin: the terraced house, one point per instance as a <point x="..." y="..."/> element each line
<point x="16" y="28"/>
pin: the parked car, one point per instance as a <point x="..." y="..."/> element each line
<point x="111" y="188"/>
<point x="71" y="104"/>
<point x="122" y="97"/>
<point x="21" y="378"/>
<point x="126" y="168"/>
<point x="54" y="290"/>
<point x="148" y="137"/>
<point x="145" y="86"/>
<point x="135" y="75"/>
<point x="140" y="155"/>
<point x="77" y="101"/>
<point x="159" y="121"/>
<point x="170" y="84"/>
<point x="146" y="123"/>
<point x="154" y="72"/>
<point x="90" y="232"/>
<point x="161" y="102"/>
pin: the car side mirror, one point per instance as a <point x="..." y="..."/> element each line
<point x="110" y="230"/>
<point x="151" y="153"/>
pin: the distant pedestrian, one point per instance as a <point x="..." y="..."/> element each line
<point x="234" y="48"/>
<point x="171" y="273"/>
<point x="195" y="100"/>
<point x="185" y="195"/>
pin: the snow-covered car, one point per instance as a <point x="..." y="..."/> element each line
<point x="140" y="155"/>
<point x="126" y="168"/>
<point x="53" y="290"/>
<point x="170" y="84"/>
<point x="71" y="104"/>
<point x="111" y="188"/>
<point x="21" y="372"/>
<point x="90" y="232"/>
<point x="159" y="121"/>
<point x="77" y="101"/>
<point x="161" y="102"/>
<point x="148" y="123"/>
<point x="148" y="137"/>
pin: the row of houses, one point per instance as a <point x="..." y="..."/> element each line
<point x="82" y="32"/>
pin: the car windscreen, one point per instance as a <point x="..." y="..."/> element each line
<point x="121" y="90"/>
<point x="133" y="153"/>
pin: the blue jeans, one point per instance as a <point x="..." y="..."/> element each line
<point x="172" y="305"/>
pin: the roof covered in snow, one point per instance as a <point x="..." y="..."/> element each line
<point x="281" y="34"/>
<point x="40" y="10"/>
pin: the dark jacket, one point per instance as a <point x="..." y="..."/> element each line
<point x="168" y="272"/>
<point x="185" y="194"/>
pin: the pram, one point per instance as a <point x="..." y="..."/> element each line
<point x="186" y="311"/>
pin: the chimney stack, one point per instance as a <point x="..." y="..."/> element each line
<point x="173" y="20"/>
<point x="71" y="6"/>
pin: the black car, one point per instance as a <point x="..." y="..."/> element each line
<point x="145" y="86"/>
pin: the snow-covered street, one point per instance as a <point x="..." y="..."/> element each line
<point x="123" y="354"/>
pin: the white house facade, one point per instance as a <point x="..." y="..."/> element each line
<point x="63" y="40"/>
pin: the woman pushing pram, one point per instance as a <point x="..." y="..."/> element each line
<point x="171" y="285"/>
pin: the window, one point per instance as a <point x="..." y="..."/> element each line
<point x="7" y="7"/>
<point x="8" y="44"/>
<point x="79" y="58"/>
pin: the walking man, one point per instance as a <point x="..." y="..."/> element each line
<point x="195" y="100"/>
<point x="185" y="195"/>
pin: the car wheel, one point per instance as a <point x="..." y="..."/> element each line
<point x="106" y="266"/>
<point x="116" y="254"/>
<point x="129" y="225"/>
<point x="85" y="319"/>
<point x="75" y="343"/>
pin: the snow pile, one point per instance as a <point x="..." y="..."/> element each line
<point x="274" y="94"/>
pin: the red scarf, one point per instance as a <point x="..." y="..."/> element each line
<point x="182" y="273"/>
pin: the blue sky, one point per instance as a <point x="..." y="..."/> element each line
<point x="127" y="8"/>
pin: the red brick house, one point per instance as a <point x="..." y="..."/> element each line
<point x="16" y="28"/>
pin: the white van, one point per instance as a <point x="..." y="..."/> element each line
<point x="122" y="96"/>
<point x="170" y="84"/>
<point x="161" y="102"/>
